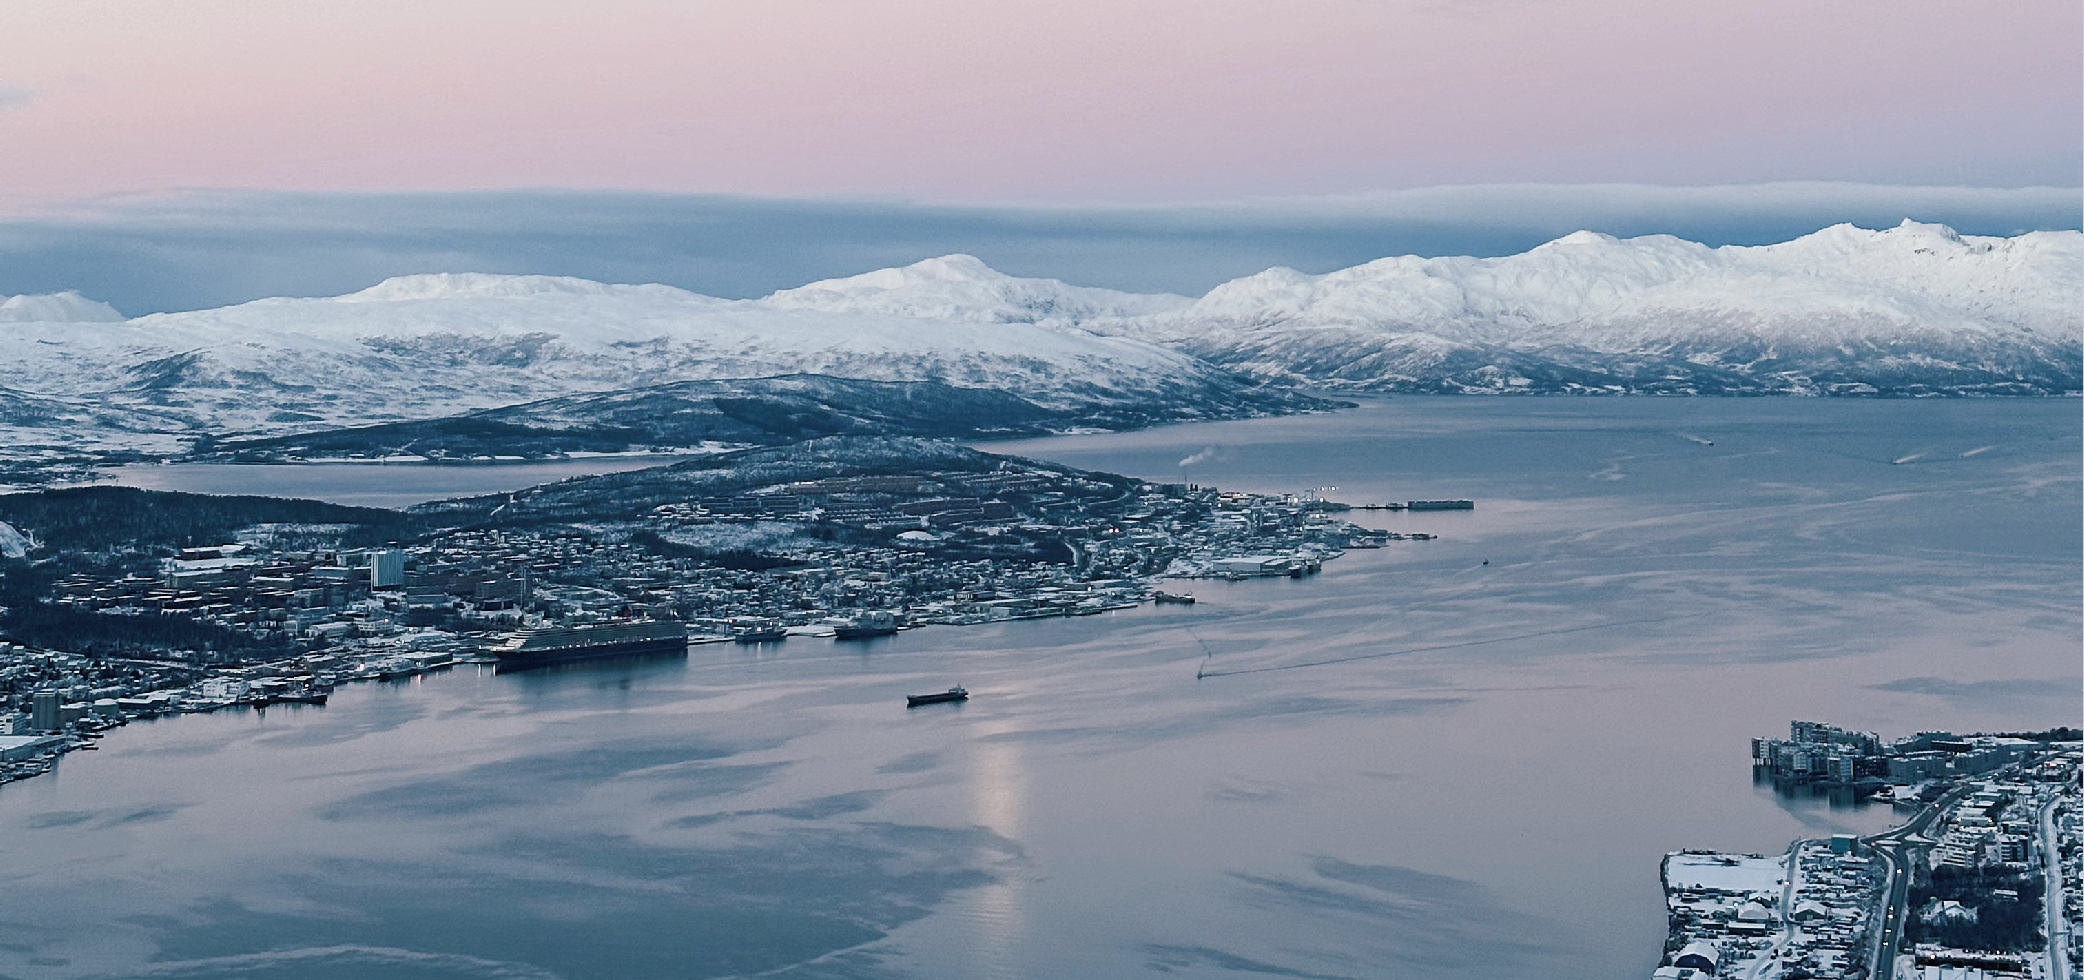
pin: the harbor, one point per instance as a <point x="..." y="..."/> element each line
<point x="1487" y="796"/>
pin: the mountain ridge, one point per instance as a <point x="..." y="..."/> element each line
<point x="1915" y="309"/>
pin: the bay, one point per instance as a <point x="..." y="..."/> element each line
<point x="370" y="483"/>
<point x="1451" y="758"/>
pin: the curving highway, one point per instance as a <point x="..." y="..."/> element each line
<point x="2057" y="928"/>
<point x="1899" y="849"/>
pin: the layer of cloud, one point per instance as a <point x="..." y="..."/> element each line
<point x="208" y="248"/>
<point x="1987" y="693"/>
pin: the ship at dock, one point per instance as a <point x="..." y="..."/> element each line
<point x="561" y="644"/>
<point x="868" y="625"/>
<point x="757" y="629"/>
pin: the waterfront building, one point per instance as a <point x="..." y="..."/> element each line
<point x="15" y="748"/>
<point x="1249" y="565"/>
<point x="1698" y="955"/>
<point x="1918" y="765"/>
<point x="1816" y="732"/>
<point x="44" y="711"/>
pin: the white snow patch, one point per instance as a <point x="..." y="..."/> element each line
<point x="1727" y="872"/>
<point x="15" y="544"/>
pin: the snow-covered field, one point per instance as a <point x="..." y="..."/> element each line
<point x="1734" y="873"/>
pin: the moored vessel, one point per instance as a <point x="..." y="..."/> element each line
<point x="558" y="644"/>
<point x="757" y="629"/>
<point x="866" y="625"/>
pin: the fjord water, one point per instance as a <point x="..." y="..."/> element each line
<point x="1456" y="758"/>
<point x="368" y="483"/>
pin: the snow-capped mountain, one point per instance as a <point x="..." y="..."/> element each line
<point x="1912" y="309"/>
<point x="65" y="307"/>
<point x="963" y="289"/>
<point x="1915" y="309"/>
<point x="434" y="345"/>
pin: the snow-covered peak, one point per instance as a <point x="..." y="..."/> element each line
<point x="955" y="267"/>
<point x="963" y="289"/>
<point x="1913" y="309"/>
<point x="65" y="307"/>
<point x="436" y="344"/>
<point x="1582" y="238"/>
<point x="1578" y="288"/>
<point x="481" y="285"/>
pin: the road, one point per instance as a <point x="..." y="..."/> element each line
<point x="2051" y="903"/>
<point x="1899" y="849"/>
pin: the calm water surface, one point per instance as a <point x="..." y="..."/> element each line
<point x="1414" y="765"/>
<point x="370" y="484"/>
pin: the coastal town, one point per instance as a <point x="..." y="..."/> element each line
<point x="1977" y="883"/>
<point x="281" y="612"/>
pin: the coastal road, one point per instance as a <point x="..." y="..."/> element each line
<point x="1898" y="849"/>
<point x="2051" y="902"/>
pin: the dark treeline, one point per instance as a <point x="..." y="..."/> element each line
<point x="40" y="624"/>
<point x="105" y="518"/>
<point x="737" y="559"/>
<point x="2001" y="924"/>
<point x="2063" y="734"/>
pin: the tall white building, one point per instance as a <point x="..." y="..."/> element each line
<point x="386" y="569"/>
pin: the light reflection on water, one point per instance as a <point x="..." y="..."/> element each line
<point x="998" y="802"/>
<point x="1418" y="764"/>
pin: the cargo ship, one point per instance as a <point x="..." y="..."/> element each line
<point x="1440" y="505"/>
<point x="951" y="694"/>
<point x="1181" y="598"/>
<point x="559" y="644"/>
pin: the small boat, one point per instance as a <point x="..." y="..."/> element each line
<point x="1184" y="599"/>
<point x="951" y="694"/>
<point x="757" y="629"/>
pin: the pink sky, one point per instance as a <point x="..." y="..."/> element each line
<point x="1012" y="100"/>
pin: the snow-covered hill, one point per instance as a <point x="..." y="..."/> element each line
<point x="1912" y="309"/>
<point x="962" y="288"/>
<point x="434" y="345"/>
